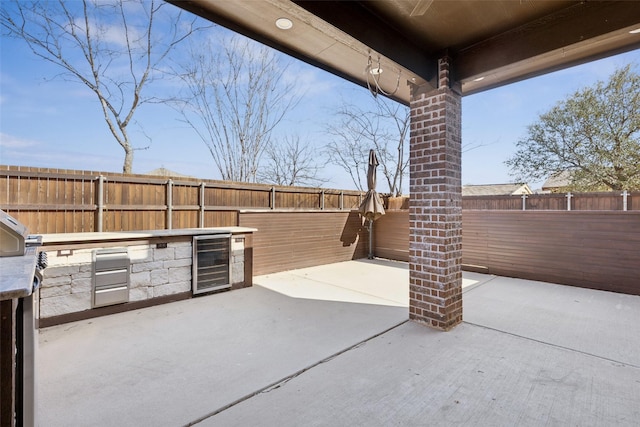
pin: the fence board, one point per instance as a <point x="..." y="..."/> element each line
<point x="492" y="202"/>
<point x="390" y="235"/>
<point x="188" y="219"/>
<point x="185" y="195"/>
<point x="290" y="240"/>
<point x="220" y="219"/>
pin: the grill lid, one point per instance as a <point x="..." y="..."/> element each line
<point x="12" y="236"/>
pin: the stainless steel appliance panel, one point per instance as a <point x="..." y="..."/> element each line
<point x="111" y="272"/>
<point x="111" y="296"/>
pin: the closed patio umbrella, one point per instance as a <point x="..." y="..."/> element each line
<point x="371" y="207"/>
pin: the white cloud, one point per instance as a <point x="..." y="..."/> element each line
<point x="115" y="34"/>
<point x="600" y="70"/>
<point x="108" y="29"/>
<point x="15" y="143"/>
<point x="308" y="82"/>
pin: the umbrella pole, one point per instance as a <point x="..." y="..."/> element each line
<point x="370" y="239"/>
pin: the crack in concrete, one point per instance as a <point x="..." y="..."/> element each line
<point x="277" y="384"/>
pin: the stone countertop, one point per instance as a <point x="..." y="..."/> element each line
<point x="57" y="238"/>
<point x="16" y="275"/>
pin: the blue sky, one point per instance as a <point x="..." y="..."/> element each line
<point x="58" y="124"/>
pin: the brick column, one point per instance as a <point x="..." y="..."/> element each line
<point x="435" y="210"/>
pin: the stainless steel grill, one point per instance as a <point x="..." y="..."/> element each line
<point x="21" y="269"/>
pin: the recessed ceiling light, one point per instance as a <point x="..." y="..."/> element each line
<point x="284" y="23"/>
<point x="636" y="31"/>
<point x="479" y="79"/>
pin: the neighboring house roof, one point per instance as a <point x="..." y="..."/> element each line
<point x="496" y="189"/>
<point x="167" y="173"/>
<point x="557" y="181"/>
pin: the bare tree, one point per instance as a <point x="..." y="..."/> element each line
<point x="233" y="97"/>
<point x="291" y="162"/>
<point x="385" y="129"/>
<point x="348" y="149"/>
<point x="113" y="48"/>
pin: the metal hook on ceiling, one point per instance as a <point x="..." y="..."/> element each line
<point x="374" y="73"/>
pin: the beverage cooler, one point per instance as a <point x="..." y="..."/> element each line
<point x="211" y="263"/>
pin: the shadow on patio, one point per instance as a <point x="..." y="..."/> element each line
<point x="331" y="345"/>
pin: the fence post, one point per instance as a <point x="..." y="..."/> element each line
<point x="624" y="200"/>
<point x="202" y="186"/>
<point x="100" y="203"/>
<point x="322" y="200"/>
<point x="169" y="204"/>
<point x="273" y="198"/>
<point x="569" y="196"/>
<point x="342" y="200"/>
<point x="524" y="202"/>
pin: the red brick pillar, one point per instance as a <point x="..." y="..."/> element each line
<point x="435" y="210"/>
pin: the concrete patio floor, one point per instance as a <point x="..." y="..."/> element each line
<point x="331" y="345"/>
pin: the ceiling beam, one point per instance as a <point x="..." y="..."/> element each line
<point x="212" y="14"/>
<point x="354" y="19"/>
<point x="570" y="26"/>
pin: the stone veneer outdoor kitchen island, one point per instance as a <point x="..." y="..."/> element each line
<point x="160" y="269"/>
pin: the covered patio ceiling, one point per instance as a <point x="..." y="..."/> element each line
<point x="491" y="43"/>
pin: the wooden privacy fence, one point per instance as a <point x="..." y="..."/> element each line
<point x="291" y="240"/>
<point x="592" y="249"/>
<point x="66" y="201"/>
<point x="608" y="201"/>
<point x="589" y="240"/>
<point x="599" y="250"/>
